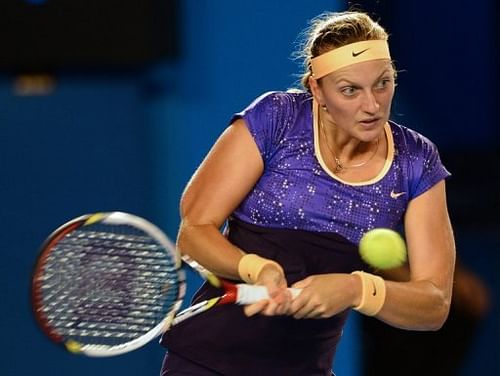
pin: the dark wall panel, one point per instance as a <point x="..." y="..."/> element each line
<point x="53" y="34"/>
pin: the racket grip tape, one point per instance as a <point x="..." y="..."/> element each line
<point x="248" y="294"/>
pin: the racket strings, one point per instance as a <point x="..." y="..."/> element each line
<point x="107" y="284"/>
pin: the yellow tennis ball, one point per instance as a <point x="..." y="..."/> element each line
<point x="73" y="346"/>
<point x="383" y="248"/>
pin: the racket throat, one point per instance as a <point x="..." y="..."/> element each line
<point x="230" y="293"/>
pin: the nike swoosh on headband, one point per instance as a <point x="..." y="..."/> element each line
<point x="354" y="54"/>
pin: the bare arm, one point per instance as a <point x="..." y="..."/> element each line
<point x="224" y="178"/>
<point x="423" y="302"/>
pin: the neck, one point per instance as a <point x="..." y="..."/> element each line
<point x="365" y="151"/>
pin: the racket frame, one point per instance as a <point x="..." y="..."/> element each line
<point x="111" y="218"/>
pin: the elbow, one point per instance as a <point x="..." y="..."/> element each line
<point x="438" y="322"/>
<point x="433" y="312"/>
<point x="185" y="236"/>
<point x="440" y="313"/>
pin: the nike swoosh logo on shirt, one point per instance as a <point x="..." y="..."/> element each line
<point x="395" y="195"/>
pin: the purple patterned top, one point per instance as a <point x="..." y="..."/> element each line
<point x="310" y="222"/>
<point x="296" y="190"/>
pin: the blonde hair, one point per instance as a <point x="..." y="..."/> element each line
<point x="332" y="30"/>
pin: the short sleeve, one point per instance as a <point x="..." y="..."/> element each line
<point x="427" y="167"/>
<point x="265" y="118"/>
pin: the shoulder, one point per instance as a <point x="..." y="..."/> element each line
<point x="292" y="99"/>
<point x="275" y="109"/>
<point x="407" y="139"/>
<point x="419" y="158"/>
<point x="271" y="116"/>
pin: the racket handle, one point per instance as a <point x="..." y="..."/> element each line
<point x="248" y="294"/>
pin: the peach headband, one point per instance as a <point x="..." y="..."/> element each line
<point x="350" y="54"/>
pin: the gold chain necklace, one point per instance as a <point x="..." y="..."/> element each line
<point x="339" y="166"/>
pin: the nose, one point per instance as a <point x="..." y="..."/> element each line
<point x="370" y="104"/>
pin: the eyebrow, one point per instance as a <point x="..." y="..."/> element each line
<point x="340" y="79"/>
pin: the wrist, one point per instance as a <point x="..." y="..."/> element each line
<point x="373" y="292"/>
<point x="357" y="288"/>
<point x="251" y="265"/>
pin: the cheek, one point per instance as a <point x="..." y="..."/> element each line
<point x="343" y="110"/>
<point x="388" y="97"/>
<point x="386" y="100"/>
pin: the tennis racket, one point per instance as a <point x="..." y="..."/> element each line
<point x="108" y="283"/>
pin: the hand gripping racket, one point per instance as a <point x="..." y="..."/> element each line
<point x="108" y="283"/>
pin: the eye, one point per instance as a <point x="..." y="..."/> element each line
<point x="348" y="91"/>
<point x="383" y="83"/>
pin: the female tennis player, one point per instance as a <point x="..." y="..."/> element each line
<point x="300" y="176"/>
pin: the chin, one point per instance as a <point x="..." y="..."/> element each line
<point x="368" y="135"/>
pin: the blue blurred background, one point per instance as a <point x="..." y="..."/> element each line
<point x="117" y="116"/>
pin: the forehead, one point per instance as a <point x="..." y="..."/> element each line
<point x="361" y="72"/>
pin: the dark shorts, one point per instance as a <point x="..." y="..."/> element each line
<point x="175" y="365"/>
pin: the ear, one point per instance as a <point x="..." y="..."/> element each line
<point x="316" y="90"/>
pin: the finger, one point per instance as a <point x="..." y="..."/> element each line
<point x="281" y="295"/>
<point x="302" y="284"/>
<point x="284" y="302"/>
<point x="300" y="300"/>
<point x="272" y="309"/>
<point x="283" y="307"/>
<point x="297" y="305"/>
<point x="288" y="304"/>
<point x="302" y="313"/>
<point x="253" y="309"/>
<point x="307" y="310"/>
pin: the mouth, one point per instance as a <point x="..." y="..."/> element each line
<point x="370" y="122"/>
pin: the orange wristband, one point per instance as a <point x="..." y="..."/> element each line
<point x="251" y="265"/>
<point x="372" y="293"/>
